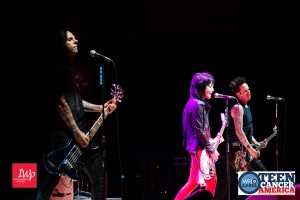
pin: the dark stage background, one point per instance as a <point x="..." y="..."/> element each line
<point x="156" y="47"/>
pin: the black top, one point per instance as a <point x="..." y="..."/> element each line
<point x="247" y="125"/>
<point x="64" y="80"/>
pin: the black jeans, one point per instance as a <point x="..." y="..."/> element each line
<point x="222" y="186"/>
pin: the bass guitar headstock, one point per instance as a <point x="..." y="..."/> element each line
<point x="117" y="92"/>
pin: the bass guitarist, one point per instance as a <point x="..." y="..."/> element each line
<point x="65" y="117"/>
<point x="241" y="139"/>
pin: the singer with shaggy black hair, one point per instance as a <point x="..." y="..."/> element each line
<point x="197" y="137"/>
<point x="244" y="151"/>
<point x="65" y="130"/>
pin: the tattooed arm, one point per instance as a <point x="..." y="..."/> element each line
<point x="90" y="107"/>
<point x="67" y="116"/>
<point x="237" y="114"/>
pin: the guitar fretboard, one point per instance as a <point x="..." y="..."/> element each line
<point x="97" y="124"/>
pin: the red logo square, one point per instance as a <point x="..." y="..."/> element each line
<point x="24" y="175"/>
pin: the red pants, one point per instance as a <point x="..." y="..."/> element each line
<point x="192" y="182"/>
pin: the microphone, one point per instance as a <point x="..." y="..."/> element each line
<point x="223" y="96"/>
<point x="93" y="53"/>
<point x="274" y="98"/>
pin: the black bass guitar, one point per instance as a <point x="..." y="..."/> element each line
<point x="67" y="160"/>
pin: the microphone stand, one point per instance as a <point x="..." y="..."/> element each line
<point x="103" y="139"/>
<point x="227" y="149"/>
<point x="93" y="53"/>
<point x="276" y="122"/>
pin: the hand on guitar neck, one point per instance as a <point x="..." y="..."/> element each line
<point x="208" y="160"/>
<point x="84" y="139"/>
<point x="217" y="140"/>
<point x="219" y="137"/>
<point x="260" y="145"/>
<point x="109" y="106"/>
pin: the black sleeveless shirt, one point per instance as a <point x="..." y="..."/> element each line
<point x="247" y="125"/>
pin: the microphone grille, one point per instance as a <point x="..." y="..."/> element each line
<point x="92" y="53"/>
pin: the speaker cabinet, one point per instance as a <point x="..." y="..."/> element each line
<point x="156" y="176"/>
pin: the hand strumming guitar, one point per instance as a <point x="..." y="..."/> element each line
<point x="254" y="154"/>
<point x="82" y="139"/>
<point x="215" y="155"/>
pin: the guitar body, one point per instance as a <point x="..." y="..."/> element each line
<point x="68" y="160"/>
<point x="240" y="161"/>
<point x="207" y="165"/>
<point x="63" y="160"/>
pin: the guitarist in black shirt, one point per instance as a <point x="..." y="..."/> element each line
<point x="243" y="144"/>
<point x="65" y="121"/>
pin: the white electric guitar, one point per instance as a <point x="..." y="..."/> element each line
<point x="207" y="165"/>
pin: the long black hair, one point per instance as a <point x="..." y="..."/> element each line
<point x="58" y="47"/>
